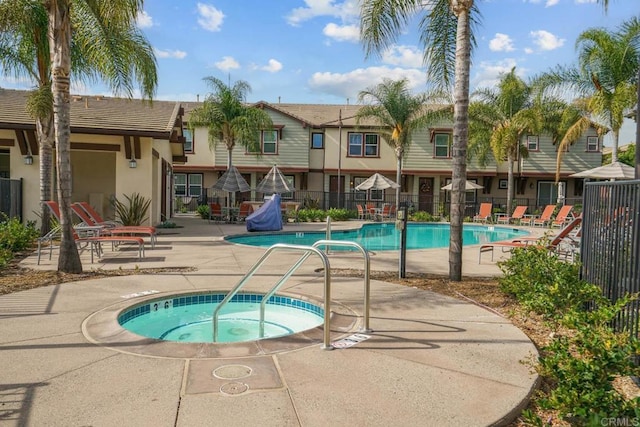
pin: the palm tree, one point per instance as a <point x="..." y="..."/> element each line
<point x="605" y="75"/>
<point x="447" y="39"/>
<point x="498" y="120"/>
<point x="399" y="113"/>
<point x="228" y="119"/>
<point x="106" y="45"/>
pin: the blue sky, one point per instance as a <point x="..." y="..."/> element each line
<point x="307" y="51"/>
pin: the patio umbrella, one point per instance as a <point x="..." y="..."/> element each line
<point x="615" y="170"/>
<point x="274" y="183"/>
<point x="231" y="181"/>
<point x="468" y="185"/>
<point x="377" y="182"/>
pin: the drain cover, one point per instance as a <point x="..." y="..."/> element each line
<point x="234" y="388"/>
<point x="232" y="372"/>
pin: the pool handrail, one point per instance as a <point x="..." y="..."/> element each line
<point x="258" y="264"/>
<point x="303" y="258"/>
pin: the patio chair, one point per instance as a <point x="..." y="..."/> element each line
<point x="94" y="241"/>
<point x="91" y="218"/>
<point x="371" y="210"/>
<point x="245" y="210"/>
<point x="362" y="214"/>
<point x="517" y="215"/>
<point x="563" y="216"/>
<point x="553" y="244"/>
<point x="215" y="212"/>
<point x="385" y="213"/>
<point x="545" y="218"/>
<point x="484" y="214"/>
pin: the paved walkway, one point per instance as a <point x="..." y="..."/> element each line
<point x="430" y="359"/>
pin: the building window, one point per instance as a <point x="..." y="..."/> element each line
<point x="442" y="144"/>
<point x="317" y="140"/>
<point x="366" y="143"/>
<point x="292" y="182"/>
<point x="188" y="184"/>
<point x="532" y="143"/>
<point x="269" y="142"/>
<point x="188" y="140"/>
<point x="592" y="144"/>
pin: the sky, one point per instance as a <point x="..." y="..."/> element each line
<point x="308" y="51"/>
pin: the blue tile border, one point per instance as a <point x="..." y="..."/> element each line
<point x="180" y="301"/>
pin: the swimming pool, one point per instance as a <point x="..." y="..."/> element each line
<point x="384" y="236"/>
<point x="188" y="318"/>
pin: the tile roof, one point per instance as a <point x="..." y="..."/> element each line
<point x="92" y="114"/>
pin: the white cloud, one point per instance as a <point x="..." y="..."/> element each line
<point x="550" y="3"/>
<point x="348" y="10"/>
<point x="343" y="33"/>
<point x="489" y="73"/>
<point x="177" y="54"/>
<point x="586" y="1"/>
<point x="501" y="43"/>
<point x="273" y="66"/>
<point x="227" y="63"/>
<point x="348" y="85"/>
<point x="144" y="20"/>
<point x="209" y="17"/>
<point x="403" y="56"/>
<point x="545" y="40"/>
<point x="528" y="50"/>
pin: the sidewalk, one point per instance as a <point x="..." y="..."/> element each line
<point x="430" y="360"/>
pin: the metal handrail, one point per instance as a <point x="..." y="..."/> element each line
<point x="258" y="264"/>
<point x="303" y="258"/>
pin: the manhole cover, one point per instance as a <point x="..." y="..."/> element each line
<point x="232" y="372"/>
<point x="234" y="388"/>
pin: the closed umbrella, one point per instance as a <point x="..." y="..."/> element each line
<point x="616" y="170"/>
<point x="377" y="182"/>
<point x="468" y="186"/>
<point x="231" y="181"/>
<point x="274" y="183"/>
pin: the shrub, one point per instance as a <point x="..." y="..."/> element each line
<point x="133" y="213"/>
<point x="422" y="216"/>
<point x="203" y="211"/>
<point x="341" y="214"/>
<point x="545" y="284"/>
<point x="311" y="215"/>
<point x="15" y="236"/>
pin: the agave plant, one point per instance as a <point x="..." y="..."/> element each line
<point x="133" y="213"/>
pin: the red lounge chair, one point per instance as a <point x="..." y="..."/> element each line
<point x="517" y="215"/>
<point x="545" y="218"/>
<point x="563" y="216"/>
<point x="484" y="214"/>
<point x="524" y="242"/>
<point x="94" y="241"/>
<point x="91" y="218"/>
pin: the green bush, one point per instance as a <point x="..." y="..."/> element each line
<point x="422" y="216"/>
<point x="203" y="211"/>
<point x="341" y="214"/>
<point x="311" y="215"/>
<point x="133" y="213"/>
<point x="15" y="236"/>
<point x="545" y="284"/>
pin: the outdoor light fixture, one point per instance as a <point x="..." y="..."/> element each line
<point x="28" y="159"/>
<point x="132" y="163"/>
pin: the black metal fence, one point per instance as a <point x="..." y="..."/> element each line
<point x="610" y="244"/>
<point x="11" y="198"/>
<point x="435" y="205"/>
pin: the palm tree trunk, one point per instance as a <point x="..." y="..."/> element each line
<point x="614" y="148"/>
<point x="461" y="9"/>
<point x="60" y="47"/>
<point x="44" y="130"/>
<point x="509" y="183"/>
<point x="399" y="155"/>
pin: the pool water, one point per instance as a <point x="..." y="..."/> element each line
<point x="189" y="318"/>
<point x="384" y="236"/>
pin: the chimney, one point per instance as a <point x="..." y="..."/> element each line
<point x="198" y="98"/>
<point x="86" y="102"/>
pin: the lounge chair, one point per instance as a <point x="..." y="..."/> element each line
<point x="245" y="210"/>
<point x="564" y="215"/>
<point x="484" y="214"/>
<point x="91" y="218"/>
<point x="517" y="215"/>
<point x="362" y="214"/>
<point x="545" y="218"/>
<point x="572" y="227"/>
<point x="94" y="241"/>
<point x="215" y="212"/>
